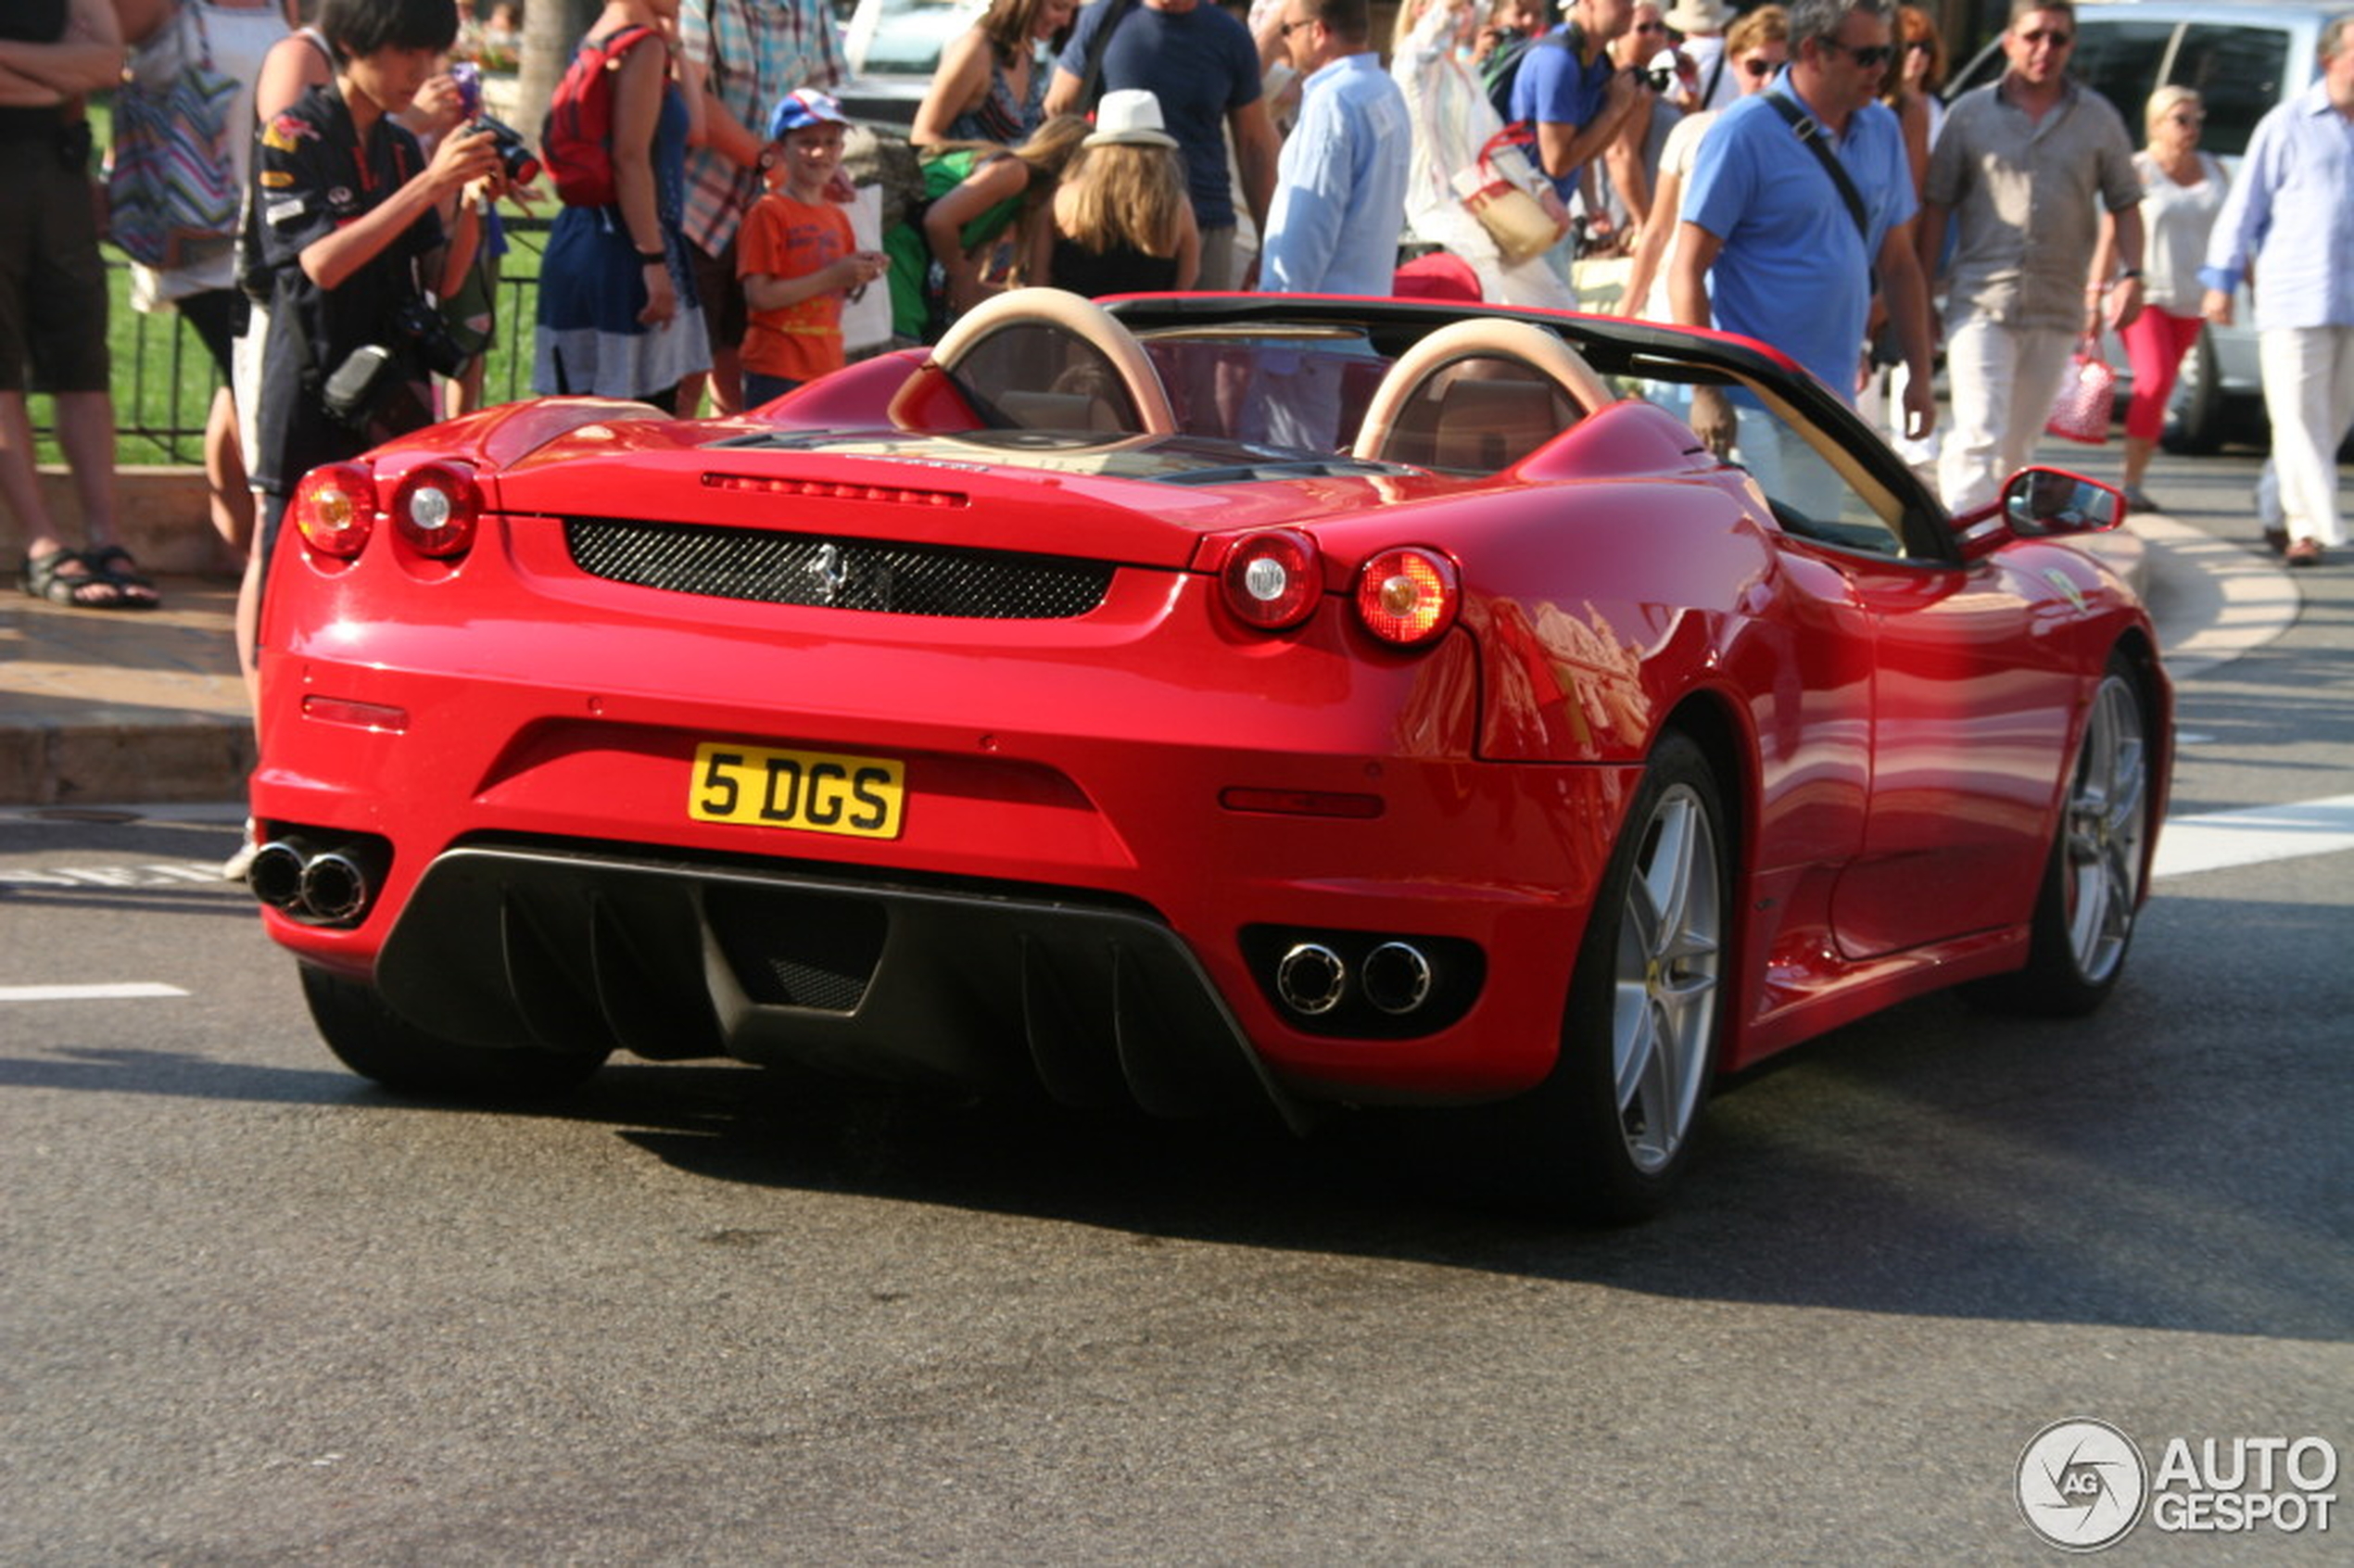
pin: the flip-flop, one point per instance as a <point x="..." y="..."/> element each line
<point x="115" y="564"/>
<point x="44" y="577"/>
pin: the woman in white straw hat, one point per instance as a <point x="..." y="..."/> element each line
<point x="1702" y="24"/>
<point x="1123" y="219"/>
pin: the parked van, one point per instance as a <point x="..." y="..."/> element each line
<point x="2243" y="57"/>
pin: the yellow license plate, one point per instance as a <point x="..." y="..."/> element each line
<point x="813" y="792"/>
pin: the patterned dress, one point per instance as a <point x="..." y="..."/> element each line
<point x="1002" y="117"/>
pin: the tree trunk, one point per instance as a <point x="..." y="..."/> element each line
<point x="552" y="30"/>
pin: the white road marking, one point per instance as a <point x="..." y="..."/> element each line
<point x="123" y="991"/>
<point x="149" y="874"/>
<point x="2216" y="840"/>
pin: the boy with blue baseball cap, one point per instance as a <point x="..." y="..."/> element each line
<point x="796" y="254"/>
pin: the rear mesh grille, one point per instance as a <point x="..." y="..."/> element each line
<point x="798" y="950"/>
<point x="897" y="579"/>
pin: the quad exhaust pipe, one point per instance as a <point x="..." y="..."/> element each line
<point x="328" y="886"/>
<point x="1396" y="977"/>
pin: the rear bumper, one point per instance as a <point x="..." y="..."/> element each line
<point x="1101" y="1006"/>
<point x="1098" y="808"/>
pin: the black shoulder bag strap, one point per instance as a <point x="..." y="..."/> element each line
<point x="1810" y="132"/>
<point x="1091" y="83"/>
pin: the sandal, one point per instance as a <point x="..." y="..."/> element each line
<point x="47" y="578"/>
<point x="114" y="563"/>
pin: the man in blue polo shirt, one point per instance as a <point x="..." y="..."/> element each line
<point x="1572" y="93"/>
<point x="1770" y="248"/>
<point x="1203" y="67"/>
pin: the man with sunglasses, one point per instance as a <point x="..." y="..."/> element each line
<point x="1340" y="184"/>
<point x="1768" y="244"/>
<point x="2023" y="168"/>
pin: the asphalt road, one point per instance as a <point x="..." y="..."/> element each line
<point x="253" y="1310"/>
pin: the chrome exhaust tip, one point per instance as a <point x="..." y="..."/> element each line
<point x="275" y="873"/>
<point x="1312" y="979"/>
<point x="1398" y="978"/>
<point x="333" y="887"/>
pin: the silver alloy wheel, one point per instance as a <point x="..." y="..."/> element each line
<point x="2107" y="822"/>
<point x="1670" y="954"/>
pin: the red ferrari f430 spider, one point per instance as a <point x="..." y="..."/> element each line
<point x="1336" y="703"/>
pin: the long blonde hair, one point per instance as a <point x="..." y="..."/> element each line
<point x="1123" y="193"/>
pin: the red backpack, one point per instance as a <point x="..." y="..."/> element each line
<point x="576" y="141"/>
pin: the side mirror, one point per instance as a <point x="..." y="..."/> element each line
<point x="2039" y="503"/>
<point x="2052" y="501"/>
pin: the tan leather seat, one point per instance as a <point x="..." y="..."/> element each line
<point x="1036" y="359"/>
<point x="1479" y="396"/>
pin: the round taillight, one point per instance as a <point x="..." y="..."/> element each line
<point x="435" y="507"/>
<point x="1408" y="596"/>
<point x="335" y="509"/>
<point x="1271" y="579"/>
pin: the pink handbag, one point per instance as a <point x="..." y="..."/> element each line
<point x="2087" y="400"/>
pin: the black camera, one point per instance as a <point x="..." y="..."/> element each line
<point x="515" y="154"/>
<point x="359" y="385"/>
<point x="1658" y="78"/>
<point x="421" y="327"/>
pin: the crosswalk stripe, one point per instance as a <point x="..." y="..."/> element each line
<point x="120" y="990"/>
<point x="2215" y="841"/>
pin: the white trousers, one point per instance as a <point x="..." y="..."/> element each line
<point x="2308" y="395"/>
<point x="2002" y="379"/>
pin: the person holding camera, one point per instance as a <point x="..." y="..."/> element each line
<point x="1630" y="161"/>
<point x="350" y="239"/>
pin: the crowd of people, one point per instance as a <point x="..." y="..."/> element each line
<point x="1786" y="172"/>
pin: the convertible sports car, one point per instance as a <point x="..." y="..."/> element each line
<point x="1338" y="703"/>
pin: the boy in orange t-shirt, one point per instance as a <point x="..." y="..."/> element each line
<point x="797" y="254"/>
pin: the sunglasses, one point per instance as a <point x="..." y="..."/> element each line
<point x="1919" y="46"/>
<point x="1759" y="68"/>
<point x="1289" y="28"/>
<point x="1650" y="27"/>
<point x="1869" y="56"/>
<point x="2187" y="119"/>
<point x="2056" y="40"/>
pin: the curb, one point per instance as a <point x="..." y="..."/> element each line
<point x="2236" y="596"/>
<point x="123" y="706"/>
<point x="163" y="514"/>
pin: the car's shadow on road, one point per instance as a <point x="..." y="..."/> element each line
<point x="1931" y="1160"/>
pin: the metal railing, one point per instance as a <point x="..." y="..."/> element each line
<point x="163" y="388"/>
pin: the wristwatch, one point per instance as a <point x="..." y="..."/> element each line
<point x="2127" y="274"/>
<point x="651" y="257"/>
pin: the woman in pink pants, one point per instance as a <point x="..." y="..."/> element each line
<point x="2181" y="191"/>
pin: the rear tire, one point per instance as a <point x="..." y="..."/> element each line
<point x="2092" y="892"/>
<point x="376" y="1043"/>
<point x="1609" y="1137"/>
